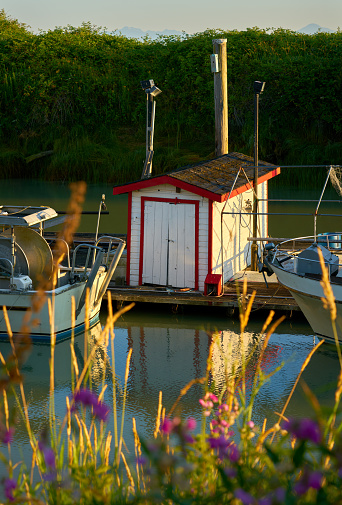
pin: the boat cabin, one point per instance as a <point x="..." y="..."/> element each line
<point x="188" y="229"/>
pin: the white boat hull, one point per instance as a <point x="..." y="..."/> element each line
<point x="18" y="303"/>
<point x="308" y="294"/>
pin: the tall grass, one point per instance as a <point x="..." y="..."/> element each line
<point x="229" y="460"/>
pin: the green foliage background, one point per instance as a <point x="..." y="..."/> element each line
<point x="76" y="91"/>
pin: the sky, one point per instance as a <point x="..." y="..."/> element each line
<point x="182" y="15"/>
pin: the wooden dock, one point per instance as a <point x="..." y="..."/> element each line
<point x="271" y="296"/>
<point x="274" y="296"/>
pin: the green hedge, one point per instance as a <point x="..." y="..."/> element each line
<point x="81" y="86"/>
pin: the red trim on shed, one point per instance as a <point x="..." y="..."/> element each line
<point x="247" y="186"/>
<point x="173" y="181"/>
<point x="210" y="237"/>
<point x="142" y="229"/>
<point x="267" y="210"/>
<point x="163" y="179"/>
<point x="129" y="233"/>
<point x="196" y="244"/>
<point x="142" y="223"/>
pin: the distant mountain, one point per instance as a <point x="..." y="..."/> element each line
<point x="313" y="28"/>
<point x="137" y="33"/>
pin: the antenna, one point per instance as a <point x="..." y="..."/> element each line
<point x="151" y="91"/>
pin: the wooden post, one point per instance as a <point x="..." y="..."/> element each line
<point x="221" y="98"/>
<point x="254" y="247"/>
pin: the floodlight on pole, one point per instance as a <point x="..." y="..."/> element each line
<point x="151" y="91"/>
<point x="258" y="88"/>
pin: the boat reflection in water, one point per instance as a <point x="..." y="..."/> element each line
<point x="168" y="352"/>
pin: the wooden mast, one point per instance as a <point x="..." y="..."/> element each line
<point x="220" y="95"/>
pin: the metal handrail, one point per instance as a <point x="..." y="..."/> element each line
<point x="282" y="200"/>
<point x="111" y="240"/>
<point x="89" y="247"/>
<point x="310" y="237"/>
<point x="294" y="255"/>
<point x="12" y="268"/>
<point x="50" y="241"/>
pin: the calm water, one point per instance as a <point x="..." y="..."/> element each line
<point x="168" y="351"/>
<point x="56" y="195"/>
<point x="289" y="226"/>
<point x="171" y="349"/>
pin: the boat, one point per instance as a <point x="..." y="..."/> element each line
<point x="298" y="268"/>
<point x="300" y="272"/>
<point x="26" y="263"/>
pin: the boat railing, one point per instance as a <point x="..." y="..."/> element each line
<point x="300" y="261"/>
<point x="112" y="242"/>
<point x="53" y="241"/>
<point x="92" y="250"/>
<point x="282" y="254"/>
<point x="112" y="266"/>
<point x="329" y="240"/>
<point x="8" y="271"/>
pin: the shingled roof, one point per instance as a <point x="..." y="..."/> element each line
<point x="213" y="179"/>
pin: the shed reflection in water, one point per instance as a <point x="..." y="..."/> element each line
<point x="168" y="352"/>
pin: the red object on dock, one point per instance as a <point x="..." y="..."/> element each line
<point x="213" y="285"/>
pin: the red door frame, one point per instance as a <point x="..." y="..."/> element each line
<point x="129" y="232"/>
<point x="142" y="225"/>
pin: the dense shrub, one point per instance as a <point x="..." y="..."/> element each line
<point x="86" y="78"/>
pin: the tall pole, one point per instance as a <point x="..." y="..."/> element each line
<point x="258" y="89"/>
<point x="221" y="97"/>
<point x="150" y="117"/>
<point x="151" y="91"/>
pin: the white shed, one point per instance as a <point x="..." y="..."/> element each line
<point x="193" y="222"/>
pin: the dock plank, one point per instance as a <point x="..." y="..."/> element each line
<point x="275" y="296"/>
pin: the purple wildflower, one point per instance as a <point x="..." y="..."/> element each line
<point x="243" y="496"/>
<point x="225" y="448"/>
<point x="181" y="429"/>
<point x="101" y="411"/>
<point x="189" y="439"/>
<point x="9" y="485"/>
<point x="89" y="399"/>
<point x="213" y="397"/>
<point x="49" y="476"/>
<point x="49" y="457"/>
<point x="167" y="426"/>
<point x="301" y="487"/>
<point x="7" y="436"/>
<point x="309" y="480"/>
<point x="315" y="480"/>
<point x="276" y="496"/>
<point x="218" y="442"/>
<point x="266" y="500"/>
<point x="230" y="472"/>
<point x="152" y="447"/>
<point x="304" y="429"/>
<point x="176" y="421"/>
<point x="190" y="424"/>
<point x="86" y="397"/>
<point x="141" y="460"/>
<point x="206" y="404"/>
<point x="233" y="453"/>
<point x="279" y="494"/>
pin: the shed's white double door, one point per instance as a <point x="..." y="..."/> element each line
<point x="169" y="244"/>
